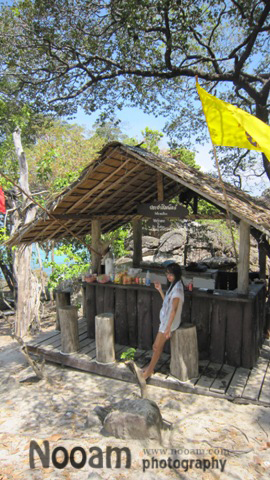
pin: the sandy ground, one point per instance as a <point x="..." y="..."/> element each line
<point x="210" y="438"/>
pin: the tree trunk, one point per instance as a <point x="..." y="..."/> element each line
<point x="104" y="327"/>
<point x="28" y="292"/>
<point x="28" y="288"/>
<point x="68" y="317"/>
<point x="184" y="352"/>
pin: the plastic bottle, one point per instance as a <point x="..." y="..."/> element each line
<point x="109" y="263"/>
<point x="147" y="279"/>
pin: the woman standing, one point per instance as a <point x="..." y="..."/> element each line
<point x="170" y="313"/>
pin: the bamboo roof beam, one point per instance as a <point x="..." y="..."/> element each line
<point x="132" y="170"/>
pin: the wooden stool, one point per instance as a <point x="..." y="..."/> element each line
<point x="62" y="299"/>
<point x="68" y="317"/>
<point x="184" y="352"/>
<point x="104" y="327"/>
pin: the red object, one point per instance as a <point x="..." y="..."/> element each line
<point x="2" y="202"/>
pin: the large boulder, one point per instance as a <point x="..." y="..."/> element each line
<point x="173" y="240"/>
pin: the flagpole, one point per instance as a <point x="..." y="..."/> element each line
<point x="223" y="189"/>
<point x="226" y="201"/>
<point x="49" y="214"/>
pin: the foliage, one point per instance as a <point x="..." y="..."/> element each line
<point x="117" y="240"/>
<point x="184" y="155"/>
<point x="15" y="114"/>
<point x="60" y="154"/>
<point x="109" y="130"/>
<point x="151" y="140"/>
<point x="76" y="263"/>
<point x="77" y="260"/>
<point x="101" y="55"/>
<point x="128" y="354"/>
<point x="206" y="208"/>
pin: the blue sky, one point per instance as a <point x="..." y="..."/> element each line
<point x="134" y="121"/>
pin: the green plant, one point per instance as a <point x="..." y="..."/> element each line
<point x="117" y="240"/>
<point x="128" y="354"/>
<point x="76" y="263"/>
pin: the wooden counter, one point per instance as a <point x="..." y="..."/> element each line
<point x="229" y="325"/>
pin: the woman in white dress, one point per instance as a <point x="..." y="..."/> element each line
<point x="170" y="313"/>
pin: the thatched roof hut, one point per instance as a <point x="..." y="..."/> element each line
<point x="122" y="177"/>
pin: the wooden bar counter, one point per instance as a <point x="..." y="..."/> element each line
<point x="229" y="325"/>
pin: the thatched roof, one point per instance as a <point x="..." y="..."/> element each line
<point x="122" y="177"/>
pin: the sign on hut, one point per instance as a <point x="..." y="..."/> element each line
<point x="160" y="213"/>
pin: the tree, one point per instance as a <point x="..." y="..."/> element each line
<point x="104" y="54"/>
<point x="151" y="138"/>
<point x="109" y="130"/>
<point x="18" y="121"/>
<point x="186" y="156"/>
<point x="59" y="155"/>
<point x="13" y="115"/>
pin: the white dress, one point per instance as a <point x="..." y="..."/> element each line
<point x="176" y="292"/>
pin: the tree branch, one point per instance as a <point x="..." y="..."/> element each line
<point x="252" y="39"/>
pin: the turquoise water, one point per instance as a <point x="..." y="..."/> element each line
<point x="59" y="259"/>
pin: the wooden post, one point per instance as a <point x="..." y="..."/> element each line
<point x="243" y="264"/>
<point x="62" y="300"/>
<point x="105" y="352"/>
<point x="69" y="329"/>
<point x="184" y="353"/>
<point x="137" y="242"/>
<point x="96" y="233"/>
<point x="160" y="189"/>
<point x="262" y="261"/>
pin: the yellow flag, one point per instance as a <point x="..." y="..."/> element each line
<point x="230" y="126"/>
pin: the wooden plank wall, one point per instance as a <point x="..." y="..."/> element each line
<point x="229" y="331"/>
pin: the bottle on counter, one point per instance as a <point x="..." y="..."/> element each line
<point x="147" y="279"/>
<point x="109" y="263"/>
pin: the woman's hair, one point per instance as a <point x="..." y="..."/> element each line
<point x="177" y="272"/>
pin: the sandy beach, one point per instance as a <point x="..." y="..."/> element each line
<point x="209" y="438"/>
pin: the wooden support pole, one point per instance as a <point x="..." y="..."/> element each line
<point x="184" y="353"/>
<point x="62" y="300"/>
<point x="137" y="242"/>
<point x="69" y="329"/>
<point x="262" y="261"/>
<point x="104" y="326"/>
<point x="96" y="233"/>
<point x="160" y="189"/>
<point x="243" y="264"/>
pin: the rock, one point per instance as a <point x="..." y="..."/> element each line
<point x="148" y="259"/>
<point x="148" y="251"/>
<point x="123" y="261"/>
<point x="137" y="419"/>
<point x="219" y="262"/>
<point x="147" y="242"/>
<point x="94" y="476"/>
<point x="195" y="254"/>
<point x="172" y="240"/>
<point x="163" y="257"/>
<point x="192" y="242"/>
